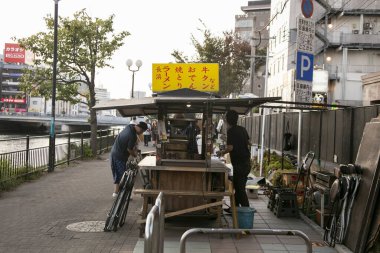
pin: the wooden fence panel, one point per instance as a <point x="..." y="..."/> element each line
<point x="256" y="130"/>
<point x="249" y="126"/>
<point x="331" y="135"/>
<point x="294" y="131"/>
<point x="358" y="127"/>
<point x="343" y="136"/>
<point x="267" y="131"/>
<point x="327" y="133"/>
<point x="273" y="131"/>
<point x="280" y="131"/>
<point x="315" y="132"/>
<point x="305" y="134"/>
<point x="324" y="136"/>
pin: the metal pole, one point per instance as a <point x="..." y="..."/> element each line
<point x="299" y="165"/>
<point x="266" y="72"/>
<point x="81" y="144"/>
<point x="27" y="154"/>
<point x="68" y="148"/>
<point x="133" y="82"/>
<point x="253" y="52"/>
<point x="262" y="142"/>
<point x="52" y="121"/>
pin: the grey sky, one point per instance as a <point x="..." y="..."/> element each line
<point x="156" y="27"/>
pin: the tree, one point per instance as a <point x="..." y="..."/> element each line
<point x="84" y="45"/>
<point x="229" y="50"/>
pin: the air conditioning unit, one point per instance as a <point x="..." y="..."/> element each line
<point x="355" y="31"/>
<point x="367" y="32"/>
<point x="367" y="26"/>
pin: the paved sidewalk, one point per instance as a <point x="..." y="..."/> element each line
<point x="35" y="216"/>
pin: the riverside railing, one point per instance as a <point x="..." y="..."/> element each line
<point x="27" y="155"/>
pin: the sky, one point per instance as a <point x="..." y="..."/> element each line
<point x="157" y="29"/>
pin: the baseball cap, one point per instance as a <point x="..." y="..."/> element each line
<point x="142" y="125"/>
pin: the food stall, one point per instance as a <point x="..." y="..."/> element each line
<point x="192" y="180"/>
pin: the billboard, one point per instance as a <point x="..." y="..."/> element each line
<point x="14" y="100"/>
<point x="196" y="76"/>
<point x="13" y="53"/>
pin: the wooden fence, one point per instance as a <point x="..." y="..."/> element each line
<point x="333" y="135"/>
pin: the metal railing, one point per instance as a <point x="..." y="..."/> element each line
<point x="38" y="116"/>
<point x="28" y="155"/>
<point x="182" y="243"/>
<point x="155" y="227"/>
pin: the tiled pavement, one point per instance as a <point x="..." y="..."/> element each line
<point x="34" y="217"/>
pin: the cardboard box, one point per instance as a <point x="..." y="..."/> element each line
<point x="326" y="216"/>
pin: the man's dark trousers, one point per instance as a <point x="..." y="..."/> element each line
<point x="239" y="179"/>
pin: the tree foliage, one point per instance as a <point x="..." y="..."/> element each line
<point x="229" y="51"/>
<point x="85" y="44"/>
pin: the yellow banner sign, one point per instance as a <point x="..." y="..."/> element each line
<point x="196" y="76"/>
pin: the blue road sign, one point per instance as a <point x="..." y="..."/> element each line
<point x="304" y="67"/>
<point x="307" y="8"/>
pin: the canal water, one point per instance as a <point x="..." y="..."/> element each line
<point x="17" y="142"/>
<point x="10" y="142"/>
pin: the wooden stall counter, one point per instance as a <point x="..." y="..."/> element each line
<point x="189" y="186"/>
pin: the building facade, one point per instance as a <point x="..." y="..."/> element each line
<point x="371" y="89"/>
<point x="12" y="99"/>
<point x="346" y="46"/>
<point x="252" y="27"/>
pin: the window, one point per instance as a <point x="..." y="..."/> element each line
<point x="34" y="102"/>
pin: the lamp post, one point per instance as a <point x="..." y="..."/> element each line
<point x="52" y="120"/>
<point x="138" y="65"/>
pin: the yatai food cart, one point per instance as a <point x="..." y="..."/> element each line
<point x="192" y="180"/>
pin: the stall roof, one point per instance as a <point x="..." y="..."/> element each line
<point x="181" y="104"/>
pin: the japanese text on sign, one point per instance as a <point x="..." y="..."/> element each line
<point x="303" y="92"/>
<point x="305" y="35"/>
<point x="196" y="76"/>
<point x="13" y="53"/>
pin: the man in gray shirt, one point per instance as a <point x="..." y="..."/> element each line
<point x="123" y="147"/>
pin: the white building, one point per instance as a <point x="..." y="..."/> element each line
<point x="347" y="45"/>
<point x="102" y="94"/>
<point x="257" y="14"/>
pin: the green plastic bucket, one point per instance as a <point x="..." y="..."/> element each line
<point x="245" y="217"/>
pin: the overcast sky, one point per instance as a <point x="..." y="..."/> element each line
<point x="157" y="28"/>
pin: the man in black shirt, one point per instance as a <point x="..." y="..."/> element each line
<point x="123" y="147"/>
<point x="237" y="146"/>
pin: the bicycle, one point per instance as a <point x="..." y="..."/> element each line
<point x="118" y="213"/>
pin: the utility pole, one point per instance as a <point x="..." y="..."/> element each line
<point x="52" y="121"/>
<point x="253" y="53"/>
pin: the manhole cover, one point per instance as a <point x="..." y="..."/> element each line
<point x="87" y="226"/>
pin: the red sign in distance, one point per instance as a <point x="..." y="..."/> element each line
<point x="13" y="53"/>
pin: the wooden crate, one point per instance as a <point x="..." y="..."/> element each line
<point x="290" y="180"/>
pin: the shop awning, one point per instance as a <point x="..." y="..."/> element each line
<point x="181" y="103"/>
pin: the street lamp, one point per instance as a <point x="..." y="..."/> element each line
<point x="138" y="65"/>
<point x="52" y="120"/>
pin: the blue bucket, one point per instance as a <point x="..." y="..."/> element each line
<point x="245" y="217"/>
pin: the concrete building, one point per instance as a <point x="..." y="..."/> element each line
<point x="254" y="23"/>
<point x="12" y="99"/>
<point x="102" y="94"/>
<point x="371" y="89"/>
<point x="347" y="46"/>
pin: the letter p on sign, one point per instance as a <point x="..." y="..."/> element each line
<point x="304" y="68"/>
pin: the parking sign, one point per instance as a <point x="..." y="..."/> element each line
<point x="305" y="66"/>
